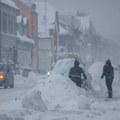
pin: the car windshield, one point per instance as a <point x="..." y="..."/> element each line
<point x="3" y="67"/>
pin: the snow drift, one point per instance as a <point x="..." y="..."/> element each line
<point x="59" y="93"/>
<point x="99" y="85"/>
<point x="9" y="117"/>
<point x="96" y="70"/>
<point x="33" y="101"/>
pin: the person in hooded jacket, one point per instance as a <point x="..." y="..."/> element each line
<point x="76" y="72"/>
<point x="108" y="73"/>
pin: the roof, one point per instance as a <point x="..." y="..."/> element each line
<point x="10" y="3"/>
<point x="64" y="29"/>
<point x="84" y="22"/>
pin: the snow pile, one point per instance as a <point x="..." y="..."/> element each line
<point x="96" y="71"/>
<point x="33" y="101"/>
<point x="110" y="105"/>
<point x="60" y="93"/>
<point x="57" y="92"/>
<point x="63" y="66"/>
<point x="99" y="85"/>
<point x="9" y="117"/>
<point x="19" y="79"/>
<point x="33" y="76"/>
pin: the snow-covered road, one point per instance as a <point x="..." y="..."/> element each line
<point x="10" y="98"/>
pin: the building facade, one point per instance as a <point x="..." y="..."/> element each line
<point x="24" y="43"/>
<point x="28" y="10"/>
<point x="8" y="34"/>
<point x="46" y="53"/>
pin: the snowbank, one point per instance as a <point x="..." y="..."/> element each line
<point x="96" y="71"/>
<point x="10" y="117"/>
<point x="105" y="106"/>
<point x="60" y="93"/>
<point x="99" y="85"/>
<point x="33" y="101"/>
<point x="63" y="66"/>
<point x="57" y="92"/>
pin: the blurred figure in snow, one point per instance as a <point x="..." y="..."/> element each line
<point x="76" y="72"/>
<point x="108" y="73"/>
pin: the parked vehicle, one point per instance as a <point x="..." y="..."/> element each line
<point x="6" y="76"/>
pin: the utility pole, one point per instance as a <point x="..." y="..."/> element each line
<point x="45" y="16"/>
<point x="56" y="36"/>
<point x="0" y="31"/>
<point x="34" y="36"/>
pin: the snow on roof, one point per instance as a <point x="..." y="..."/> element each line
<point x="47" y="17"/>
<point x="10" y="3"/>
<point x="19" y="19"/>
<point x="24" y="38"/>
<point x="84" y="22"/>
<point x="63" y="28"/>
<point x="25" y="20"/>
<point x="63" y="31"/>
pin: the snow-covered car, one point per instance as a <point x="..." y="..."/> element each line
<point x="63" y="66"/>
<point x="6" y="76"/>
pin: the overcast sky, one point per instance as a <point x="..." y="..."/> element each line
<point x="105" y="14"/>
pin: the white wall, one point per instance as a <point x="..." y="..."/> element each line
<point x="45" y="54"/>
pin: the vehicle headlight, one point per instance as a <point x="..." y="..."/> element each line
<point x="2" y="76"/>
<point x="48" y="73"/>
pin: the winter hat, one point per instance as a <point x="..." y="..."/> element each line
<point x="108" y="62"/>
<point x="76" y="62"/>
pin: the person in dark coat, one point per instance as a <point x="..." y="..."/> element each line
<point x="76" y="72"/>
<point x="108" y="73"/>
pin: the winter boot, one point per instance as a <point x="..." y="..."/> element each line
<point x="110" y="94"/>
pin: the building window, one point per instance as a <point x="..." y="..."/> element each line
<point x="12" y="25"/>
<point x="4" y="22"/>
<point x="15" y="26"/>
<point x="0" y="21"/>
<point x="9" y="24"/>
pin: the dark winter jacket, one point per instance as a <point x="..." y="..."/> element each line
<point x="108" y="70"/>
<point x="76" y="72"/>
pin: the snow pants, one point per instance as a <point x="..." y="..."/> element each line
<point x="109" y="86"/>
<point x="77" y="81"/>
